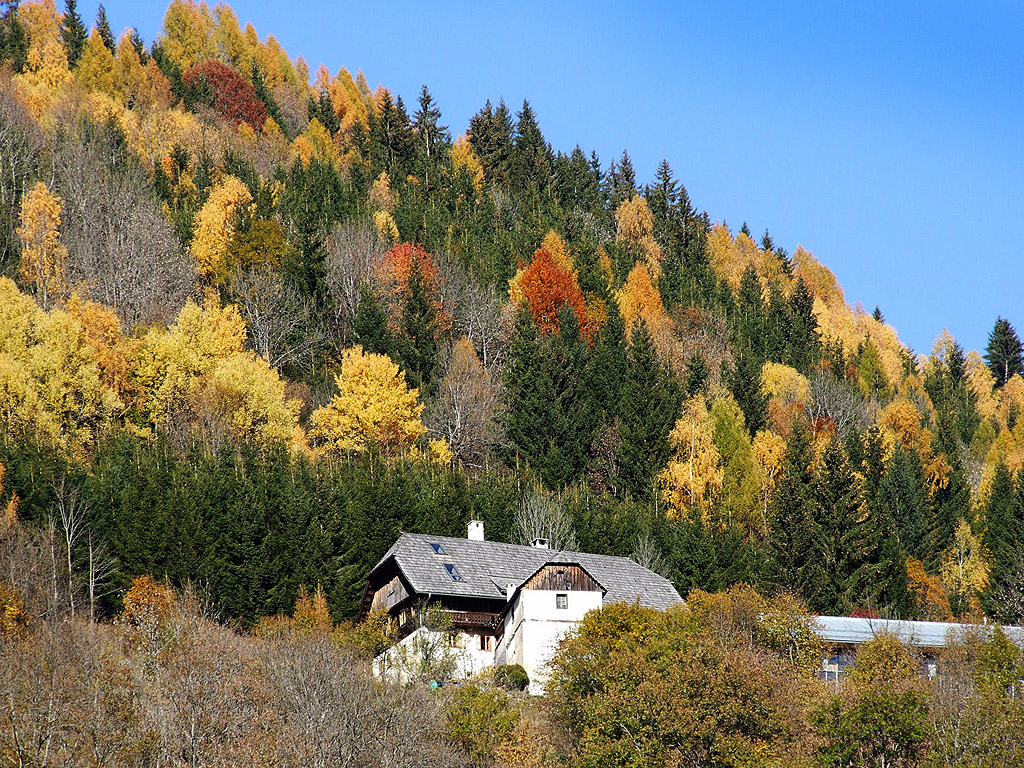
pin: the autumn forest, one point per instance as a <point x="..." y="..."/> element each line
<point x="257" y="319"/>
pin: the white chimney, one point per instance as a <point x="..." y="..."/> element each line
<point x="476" y="530"/>
<point x="509" y="591"/>
<point x="539" y="543"/>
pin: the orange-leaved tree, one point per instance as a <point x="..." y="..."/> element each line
<point x="546" y="287"/>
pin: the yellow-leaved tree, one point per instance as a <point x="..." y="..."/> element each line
<point x="214" y="226"/>
<point x="635" y="230"/>
<point x="44" y="259"/>
<point x="694" y="475"/>
<point x="46" y="71"/>
<point x="639" y="300"/>
<point x="464" y="158"/>
<point x="51" y="386"/>
<point x="197" y="376"/>
<point x="373" y="407"/>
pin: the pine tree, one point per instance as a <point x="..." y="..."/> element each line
<point x="648" y="410"/>
<point x="793" y="544"/>
<point x="744" y="380"/>
<point x="103" y="28"/>
<point x="608" y="361"/>
<point x="490" y="134"/>
<point x="13" y="40"/>
<point x="1002" y="530"/>
<point x="576" y="410"/>
<point x="904" y="497"/>
<point x="804" y="351"/>
<point x="72" y="32"/>
<point x="750" y="317"/>
<point x="1004" y="353"/>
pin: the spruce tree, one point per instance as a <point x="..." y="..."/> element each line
<point x="417" y="346"/>
<point x="72" y="32"/>
<point x="804" y="350"/>
<point x="608" y="361"/>
<point x="370" y="324"/>
<point x="744" y="380"/>
<point x="575" y="406"/>
<point x="531" y="156"/>
<point x="13" y="40"/>
<point x="648" y="410"/>
<point x="904" y="496"/>
<point x="793" y="536"/>
<point x="529" y="394"/>
<point x="1004" y="353"/>
<point x="1001" y="533"/>
<point x="103" y="28"/>
<point x="432" y="138"/>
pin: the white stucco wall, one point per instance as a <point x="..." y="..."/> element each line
<point x="535" y="626"/>
<point x="403" y="660"/>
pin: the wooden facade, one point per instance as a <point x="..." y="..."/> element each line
<point x="563" y="577"/>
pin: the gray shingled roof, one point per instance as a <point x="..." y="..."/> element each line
<point x="924" y="634"/>
<point x="488" y="567"/>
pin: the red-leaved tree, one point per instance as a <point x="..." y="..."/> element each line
<point x="233" y="96"/>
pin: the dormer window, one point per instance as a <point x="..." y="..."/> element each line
<point x="561" y="601"/>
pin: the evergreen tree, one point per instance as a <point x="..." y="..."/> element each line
<point x="531" y="155"/>
<point x="904" y="497"/>
<point x="750" y="318"/>
<point x="744" y="380"/>
<point x="608" y="361"/>
<point x="804" y="351"/>
<point x="392" y="142"/>
<point x="949" y="503"/>
<point x="793" y="544"/>
<point x="621" y="181"/>
<point x="1002" y="530"/>
<point x="417" y="345"/>
<point x="648" y="410"/>
<point x="529" y="393"/>
<point x="72" y="32"/>
<point x="13" y="40"/>
<point x="1004" y="353"/>
<point x="103" y="28"/>
<point x="843" y="546"/>
<point x="259" y="82"/>
<point x="370" y="324"/>
<point x="490" y="135"/>
<point x="432" y="139"/>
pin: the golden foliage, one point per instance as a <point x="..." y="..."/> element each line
<point x="730" y="258"/>
<point x="381" y="196"/>
<point x="199" y="368"/>
<point x="50" y="382"/>
<point x="14" y="618"/>
<point x="639" y="300"/>
<point x="387" y="229"/>
<point x="186" y="36"/>
<point x="96" y="67"/>
<point x="316" y="143"/>
<point x="901" y="420"/>
<point x="44" y="259"/>
<point x="46" y="71"/>
<point x="769" y="453"/>
<point x="214" y="226"/>
<point x="635" y="230"/>
<point x="312" y="614"/>
<point x="464" y="158"/>
<point x="694" y="475"/>
<point x="928" y="591"/>
<point x="965" y="568"/>
<point x="373" y="407"/>
<point x="556" y="246"/>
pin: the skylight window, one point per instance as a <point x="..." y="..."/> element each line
<point x="438" y="549"/>
<point x="453" y="572"/>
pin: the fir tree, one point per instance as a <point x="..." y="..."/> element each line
<point x="259" y="82"/>
<point x="490" y="134"/>
<point x="648" y="410"/>
<point x="843" y="548"/>
<point x="608" y="361"/>
<point x="744" y="380"/>
<point x="72" y="32"/>
<point x="417" y="346"/>
<point x="1004" y="353"/>
<point x="13" y="40"/>
<point x="1003" y="520"/>
<point x="793" y="543"/>
<point x="529" y="393"/>
<point x="432" y="138"/>
<point x="804" y="350"/>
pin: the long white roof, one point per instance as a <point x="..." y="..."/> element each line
<point x="923" y="634"/>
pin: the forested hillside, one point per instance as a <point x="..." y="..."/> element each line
<point x="257" y="319"/>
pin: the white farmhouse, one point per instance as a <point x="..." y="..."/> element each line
<point x="502" y="603"/>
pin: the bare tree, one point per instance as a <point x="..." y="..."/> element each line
<point x="647" y="553"/>
<point x="837" y="402"/>
<point x="539" y="515"/>
<point x="463" y="410"/>
<point x="478" y="314"/>
<point x="279" y="320"/>
<point x="352" y="251"/>
<point x="70" y="515"/>
<point x="123" y="251"/>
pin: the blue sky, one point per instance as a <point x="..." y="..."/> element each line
<point x="884" y="137"/>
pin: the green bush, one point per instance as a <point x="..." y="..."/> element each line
<point x="511" y="677"/>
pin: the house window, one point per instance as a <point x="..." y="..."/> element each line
<point x="561" y="601"/>
<point x="453" y="572"/>
<point x="486" y="643"/>
<point x="438" y="549"/>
